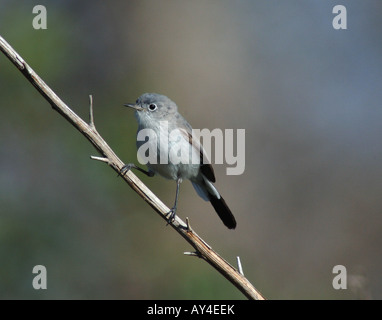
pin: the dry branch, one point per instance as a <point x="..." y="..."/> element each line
<point x="202" y="249"/>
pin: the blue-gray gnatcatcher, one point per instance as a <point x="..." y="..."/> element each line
<point x="159" y="115"/>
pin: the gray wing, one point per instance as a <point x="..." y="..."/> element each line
<point x="205" y="166"/>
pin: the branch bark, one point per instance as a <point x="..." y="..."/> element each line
<point x="202" y="249"/>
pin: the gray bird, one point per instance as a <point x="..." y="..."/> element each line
<point x="158" y="114"/>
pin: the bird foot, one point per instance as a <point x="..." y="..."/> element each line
<point x="171" y="215"/>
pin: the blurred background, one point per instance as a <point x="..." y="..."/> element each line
<point x="308" y="96"/>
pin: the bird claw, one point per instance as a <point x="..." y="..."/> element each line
<point x="171" y="214"/>
<point x="125" y="168"/>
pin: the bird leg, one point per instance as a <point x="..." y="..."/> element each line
<point x="172" y="212"/>
<point x="129" y="166"/>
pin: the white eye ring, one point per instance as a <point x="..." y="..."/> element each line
<point x="152" y="107"/>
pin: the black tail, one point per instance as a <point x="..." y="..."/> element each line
<point x="223" y="211"/>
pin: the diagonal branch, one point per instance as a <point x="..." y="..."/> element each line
<point x="202" y="249"/>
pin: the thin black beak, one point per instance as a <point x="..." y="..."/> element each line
<point x="134" y="106"/>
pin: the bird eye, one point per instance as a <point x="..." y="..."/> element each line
<point x="152" y="107"/>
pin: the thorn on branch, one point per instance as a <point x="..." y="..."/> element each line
<point x="192" y="254"/>
<point x="102" y="159"/>
<point x="240" y="268"/>
<point x="188" y="225"/>
<point x="91" y="117"/>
